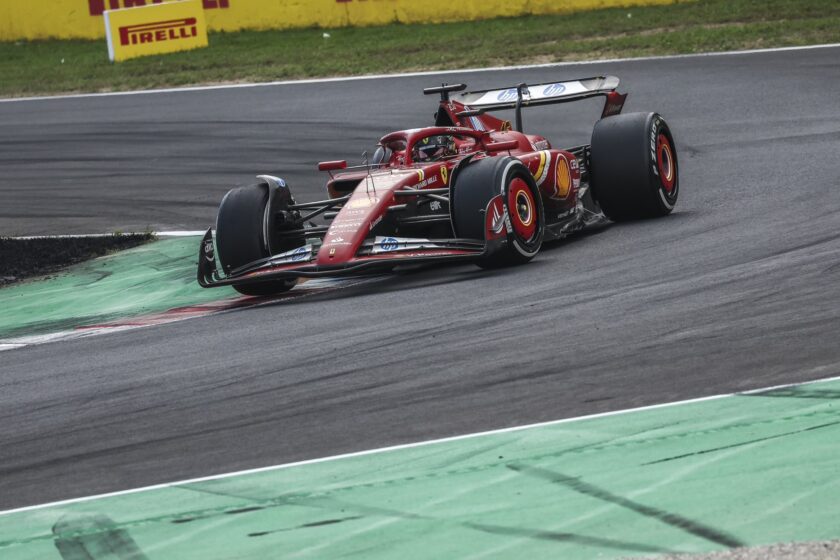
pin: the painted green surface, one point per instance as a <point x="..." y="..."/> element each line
<point x="702" y="476"/>
<point x="151" y="278"/>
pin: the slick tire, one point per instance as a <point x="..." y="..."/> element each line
<point x="481" y="181"/>
<point x="239" y="237"/>
<point x="633" y="168"/>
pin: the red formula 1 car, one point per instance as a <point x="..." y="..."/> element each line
<point x="471" y="188"/>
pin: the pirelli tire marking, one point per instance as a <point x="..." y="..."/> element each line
<point x="660" y="146"/>
<point x="514" y="240"/>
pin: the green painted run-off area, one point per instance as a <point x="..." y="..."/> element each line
<point x="147" y="279"/>
<point x="746" y="469"/>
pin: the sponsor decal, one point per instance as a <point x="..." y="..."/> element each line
<point x="653" y="132"/>
<point x="557" y="89"/>
<point x="430" y="181"/>
<point x="363" y="202"/>
<point x="156" y="28"/>
<point x="535" y="92"/>
<point x="389" y="244"/>
<point x="209" y="251"/>
<point x="553" y="89"/>
<point x="295" y="255"/>
<point x="345" y="226"/>
<point x="575" y="173"/>
<point x="171" y="30"/>
<point x="301" y="253"/>
<point x="563" y="182"/>
<point x="435" y="206"/>
<point x="374" y="223"/>
<point x="540" y="145"/>
<point x="507" y="95"/>
<point x="97" y="7"/>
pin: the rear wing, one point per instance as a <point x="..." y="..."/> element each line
<point x="524" y="95"/>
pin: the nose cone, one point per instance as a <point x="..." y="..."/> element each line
<point x="351" y="226"/>
<point x="367" y="207"/>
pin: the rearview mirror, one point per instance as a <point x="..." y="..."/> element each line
<point x="332" y="165"/>
<point x="505" y="146"/>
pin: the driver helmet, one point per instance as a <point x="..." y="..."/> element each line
<point x="433" y="148"/>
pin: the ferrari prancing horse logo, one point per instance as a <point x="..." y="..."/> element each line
<point x="444" y="172"/>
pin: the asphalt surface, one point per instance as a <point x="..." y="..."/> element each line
<point x="738" y="289"/>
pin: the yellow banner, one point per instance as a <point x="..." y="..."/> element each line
<point x="63" y="19"/>
<point x="155" y="29"/>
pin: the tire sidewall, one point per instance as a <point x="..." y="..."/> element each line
<point x="240" y="236"/>
<point x="657" y="126"/>
<point x="513" y="169"/>
<point x="624" y="172"/>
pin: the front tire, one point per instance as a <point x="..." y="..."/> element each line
<point x="476" y="185"/>
<point x="634" y="169"/>
<point x="240" y="237"/>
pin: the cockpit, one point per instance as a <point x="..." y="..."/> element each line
<point x="406" y="149"/>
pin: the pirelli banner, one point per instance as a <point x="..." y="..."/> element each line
<point x="42" y="19"/>
<point x="155" y="29"/>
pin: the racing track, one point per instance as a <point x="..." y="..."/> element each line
<point x="738" y="289"/>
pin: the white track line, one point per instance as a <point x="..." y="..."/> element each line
<point x="95" y="235"/>
<point x="409" y="446"/>
<point x="417" y="74"/>
<point x="180" y="233"/>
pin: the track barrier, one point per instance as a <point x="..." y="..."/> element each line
<point x="83" y="19"/>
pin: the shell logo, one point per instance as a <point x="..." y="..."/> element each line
<point x="563" y="184"/>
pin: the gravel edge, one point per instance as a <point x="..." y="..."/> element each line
<point x="25" y="258"/>
<point x="817" y="550"/>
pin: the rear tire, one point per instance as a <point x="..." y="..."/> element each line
<point x="480" y="182"/>
<point x="240" y="238"/>
<point x="634" y="169"/>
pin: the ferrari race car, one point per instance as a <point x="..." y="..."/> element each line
<point x="471" y="188"/>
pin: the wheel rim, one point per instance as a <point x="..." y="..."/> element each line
<point x="665" y="163"/>
<point x="522" y="208"/>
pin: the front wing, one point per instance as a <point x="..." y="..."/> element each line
<point x="374" y="256"/>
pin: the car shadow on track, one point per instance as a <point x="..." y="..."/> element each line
<point x="428" y="276"/>
<point x="435" y="275"/>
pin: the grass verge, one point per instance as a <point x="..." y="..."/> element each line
<point x="44" y="67"/>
